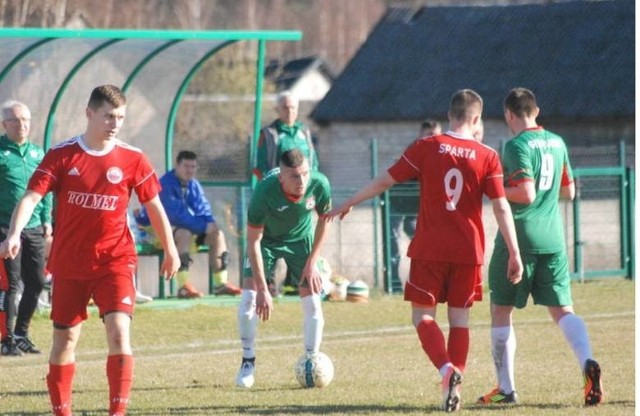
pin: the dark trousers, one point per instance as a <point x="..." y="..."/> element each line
<point x="28" y="267"/>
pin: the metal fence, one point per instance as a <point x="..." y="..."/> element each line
<point x="599" y="222"/>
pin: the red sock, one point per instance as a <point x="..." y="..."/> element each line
<point x="120" y="376"/>
<point x="432" y="340"/>
<point x="3" y="324"/>
<point x="59" y="383"/>
<point x="458" y="346"/>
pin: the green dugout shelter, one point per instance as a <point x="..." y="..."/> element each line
<point x="54" y="70"/>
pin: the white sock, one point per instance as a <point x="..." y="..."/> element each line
<point x="444" y="368"/>
<point x="575" y="332"/>
<point x="503" y="349"/>
<point x="248" y="323"/>
<point x="313" y="322"/>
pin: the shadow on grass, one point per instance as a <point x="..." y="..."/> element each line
<point x="291" y="409"/>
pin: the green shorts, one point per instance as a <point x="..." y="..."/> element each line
<point x="294" y="254"/>
<point x="545" y="277"/>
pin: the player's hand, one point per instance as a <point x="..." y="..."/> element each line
<point x="313" y="278"/>
<point x="170" y="263"/>
<point x="342" y="211"/>
<point x="264" y="304"/>
<point x="10" y="247"/>
<point x="514" y="270"/>
<point x="47" y="230"/>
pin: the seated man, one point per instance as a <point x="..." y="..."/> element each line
<point x="190" y="216"/>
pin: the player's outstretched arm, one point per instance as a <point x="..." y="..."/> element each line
<point x="375" y="187"/>
<point x="162" y="228"/>
<point x="502" y="212"/>
<point x="20" y="217"/>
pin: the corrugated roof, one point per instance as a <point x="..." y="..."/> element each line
<point x="578" y="57"/>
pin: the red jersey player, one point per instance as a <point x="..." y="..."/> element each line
<point x="93" y="254"/>
<point x="454" y="172"/>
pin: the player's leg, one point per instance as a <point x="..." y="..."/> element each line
<point x="13" y="271"/>
<point x="119" y="366"/>
<point x="33" y="253"/>
<point x="184" y="240"/>
<point x="68" y="311"/>
<point x="219" y="261"/>
<point x="425" y="288"/>
<point x="553" y="289"/>
<point x="115" y="297"/>
<point x="295" y="256"/>
<point x="504" y="296"/>
<point x="248" y="319"/>
<point x="464" y="288"/>
<point x="62" y="367"/>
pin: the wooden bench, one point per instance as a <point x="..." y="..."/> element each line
<point x="149" y="260"/>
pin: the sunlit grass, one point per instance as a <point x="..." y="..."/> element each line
<point x="186" y="360"/>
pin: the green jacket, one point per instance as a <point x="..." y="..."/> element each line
<point x="17" y="164"/>
<point x="277" y="138"/>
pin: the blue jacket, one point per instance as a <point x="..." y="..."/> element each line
<point x="186" y="209"/>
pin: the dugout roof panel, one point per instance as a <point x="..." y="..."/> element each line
<point x="54" y="70"/>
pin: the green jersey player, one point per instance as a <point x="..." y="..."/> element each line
<point x="537" y="174"/>
<point x="281" y="225"/>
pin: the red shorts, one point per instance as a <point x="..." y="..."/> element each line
<point x="430" y="283"/>
<point x="110" y="293"/>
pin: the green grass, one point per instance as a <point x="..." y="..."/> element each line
<point x="187" y="354"/>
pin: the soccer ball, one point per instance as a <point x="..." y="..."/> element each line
<point x="358" y="292"/>
<point x="314" y="370"/>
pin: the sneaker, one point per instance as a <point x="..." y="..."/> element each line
<point x="289" y="290"/>
<point x="451" y="390"/>
<point x="142" y="298"/>
<point x="25" y="345"/>
<point x="496" y="396"/>
<point x="8" y="347"/>
<point x="227" y="289"/>
<point x="188" y="292"/>
<point x="593" y="393"/>
<point x="245" y="377"/>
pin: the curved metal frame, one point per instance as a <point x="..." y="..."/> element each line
<point x="171" y="120"/>
<point x="56" y="100"/>
<point x="145" y="61"/>
<point x="21" y="55"/>
<point x="172" y="37"/>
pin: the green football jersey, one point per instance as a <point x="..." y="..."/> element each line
<point x="540" y="156"/>
<point x="285" y="220"/>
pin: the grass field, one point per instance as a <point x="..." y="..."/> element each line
<point x="187" y="354"/>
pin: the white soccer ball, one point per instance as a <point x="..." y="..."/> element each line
<point x="314" y="370"/>
<point x="358" y="292"/>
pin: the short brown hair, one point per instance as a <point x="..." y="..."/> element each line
<point x="462" y="103"/>
<point x="292" y="158"/>
<point x="521" y="102"/>
<point x="106" y="94"/>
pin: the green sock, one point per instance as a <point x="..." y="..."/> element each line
<point x="182" y="277"/>
<point x="220" y="278"/>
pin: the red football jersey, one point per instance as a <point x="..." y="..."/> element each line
<point x="454" y="172"/>
<point x="92" y="191"/>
